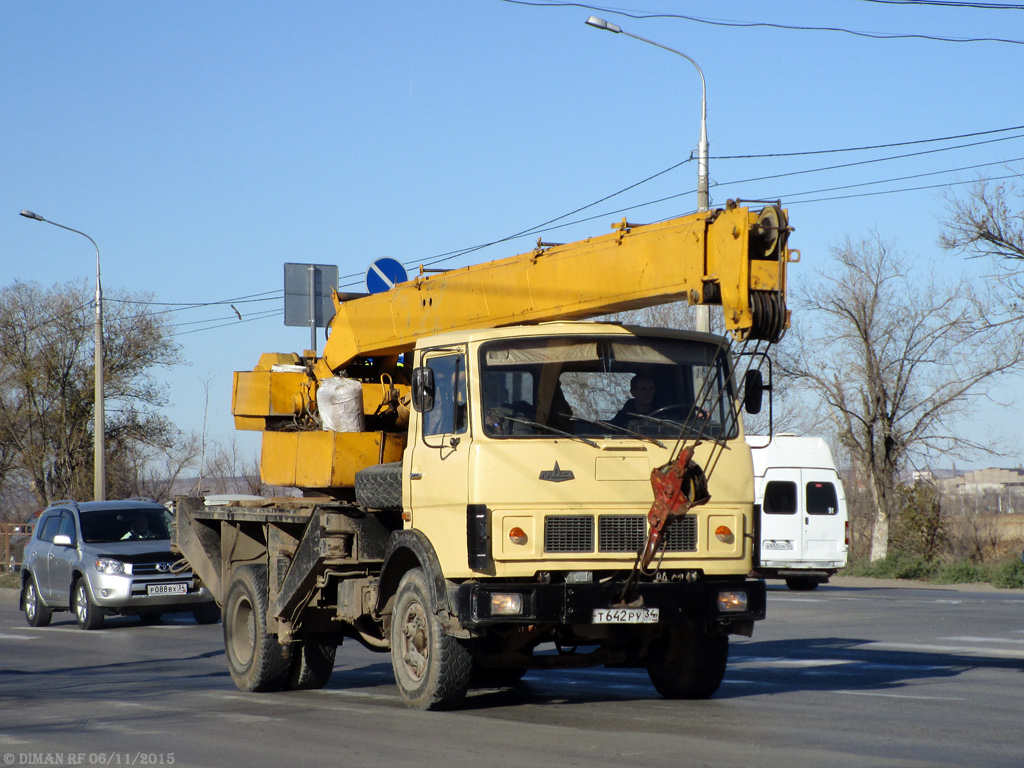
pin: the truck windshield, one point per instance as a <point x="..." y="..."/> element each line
<point x="609" y="387"/>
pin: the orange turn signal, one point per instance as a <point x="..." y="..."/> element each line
<point x="723" y="533"/>
<point x="517" y="535"/>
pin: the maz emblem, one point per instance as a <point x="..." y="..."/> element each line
<point x="557" y="475"/>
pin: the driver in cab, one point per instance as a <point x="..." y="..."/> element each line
<point x="641" y="387"/>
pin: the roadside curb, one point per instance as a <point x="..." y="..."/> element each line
<point x="866" y="582"/>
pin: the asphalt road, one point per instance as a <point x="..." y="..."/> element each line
<point x="857" y="673"/>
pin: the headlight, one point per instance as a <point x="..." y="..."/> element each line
<point x="506" y="604"/>
<point x="105" y="565"/>
<point x="730" y="602"/>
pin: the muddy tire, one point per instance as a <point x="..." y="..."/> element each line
<point x="312" y="663"/>
<point x="37" y="613"/>
<point x="255" y="659"/>
<point x="88" y="615"/>
<point x="687" y="662"/>
<point x="380" y="487"/>
<point x="432" y="669"/>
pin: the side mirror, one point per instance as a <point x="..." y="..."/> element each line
<point x="753" y="391"/>
<point x="422" y="389"/>
<point x="62" y="540"/>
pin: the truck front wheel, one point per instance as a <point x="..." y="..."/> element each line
<point x="687" y="662"/>
<point x="432" y="669"/>
<point x="255" y="658"/>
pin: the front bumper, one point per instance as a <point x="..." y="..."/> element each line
<point x="564" y="604"/>
<point x="126" y="593"/>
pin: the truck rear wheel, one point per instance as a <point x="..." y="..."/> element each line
<point x="687" y="662"/>
<point x="312" y="663"/>
<point x="432" y="669"/>
<point x="255" y="658"/>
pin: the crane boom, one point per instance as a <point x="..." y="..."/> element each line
<point x="733" y="257"/>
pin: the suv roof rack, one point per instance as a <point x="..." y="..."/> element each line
<point x="63" y="503"/>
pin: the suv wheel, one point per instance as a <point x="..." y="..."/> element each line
<point x="87" y="613"/>
<point x="206" y="613"/>
<point x="37" y="614"/>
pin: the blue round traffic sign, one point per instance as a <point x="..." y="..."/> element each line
<point x="384" y="274"/>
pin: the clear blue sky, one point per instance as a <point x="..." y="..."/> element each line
<point x="204" y="144"/>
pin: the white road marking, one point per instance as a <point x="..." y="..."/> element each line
<point x="956" y="650"/>
<point x="969" y="639"/>
<point x="902" y="696"/>
<point x="783" y="663"/>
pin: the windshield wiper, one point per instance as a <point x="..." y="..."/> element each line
<point x="617" y="428"/>
<point x="551" y="429"/>
<point x="688" y="425"/>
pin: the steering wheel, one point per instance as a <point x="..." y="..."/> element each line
<point x="681" y="409"/>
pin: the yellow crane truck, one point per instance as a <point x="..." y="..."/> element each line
<point x="492" y="484"/>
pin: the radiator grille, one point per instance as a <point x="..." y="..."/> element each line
<point x="155" y="569"/>
<point x="621" y="533"/>
<point x="681" y="535"/>
<point x="569" y="534"/>
<point x="615" y="533"/>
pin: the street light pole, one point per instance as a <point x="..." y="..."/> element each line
<point x="703" y="201"/>
<point x="99" y="485"/>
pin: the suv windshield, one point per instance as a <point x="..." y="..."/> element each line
<point x="106" y="525"/>
<point x="606" y="387"/>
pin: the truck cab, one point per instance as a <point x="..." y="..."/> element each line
<point x="527" y="427"/>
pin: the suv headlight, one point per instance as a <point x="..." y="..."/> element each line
<point x="105" y="565"/>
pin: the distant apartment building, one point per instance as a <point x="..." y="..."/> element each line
<point x="992" y="490"/>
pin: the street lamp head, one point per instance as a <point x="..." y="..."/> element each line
<point x="30" y="215"/>
<point x="600" y="23"/>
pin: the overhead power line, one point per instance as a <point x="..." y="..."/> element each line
<point x="231" y="321"/>
<point x="874" y="146"/>
<point x="770" y="25"/>
<point x="531" y="231"/>
<point x="546" y="226"/>
<point x="951" y="4"/>
<point x="181" y="306"/>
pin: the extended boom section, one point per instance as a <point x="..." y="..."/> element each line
<point x="734" y="257"/>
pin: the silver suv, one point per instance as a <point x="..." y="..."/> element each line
<point x="102" y="557"/>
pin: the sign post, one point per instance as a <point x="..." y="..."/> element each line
<point x="307" y="296"/>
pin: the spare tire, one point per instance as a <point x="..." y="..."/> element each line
<point x="380" y="487"/>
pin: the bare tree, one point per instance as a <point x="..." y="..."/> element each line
<point x="988" y="222"/>
<point x="157" y="470"/>
<point x="896" y="360"/>
<point x="46" y="385"/>
<point x="230" y="469"/>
